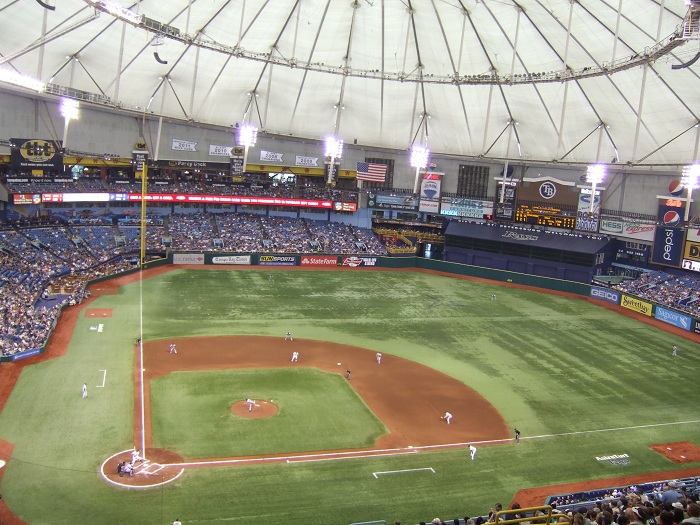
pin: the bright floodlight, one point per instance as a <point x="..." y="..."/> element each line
<point x="69" y="108"/>
<point x="419" y="157"/>
<point x="334" y="147"/>
<point x="247" y="135"/>
<point x="691" y="176"/>
<point x="595" y="174"/>
<point x="12" y="77"/>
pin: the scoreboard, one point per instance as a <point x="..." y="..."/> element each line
<point x="545" y="216"/>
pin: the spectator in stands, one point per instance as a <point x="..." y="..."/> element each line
<point x="693" y="514"/>
<point x="670" y="495"/>
<point x="666" y="518"/>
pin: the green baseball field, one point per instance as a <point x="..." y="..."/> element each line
<point x="581" y="383"/>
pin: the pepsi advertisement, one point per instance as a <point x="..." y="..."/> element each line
<point x="668" y="246"/>
<point x="671" y="215"/>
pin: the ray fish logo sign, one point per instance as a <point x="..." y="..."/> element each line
<point x="548" y="190"/>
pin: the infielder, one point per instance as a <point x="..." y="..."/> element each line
<point x="379" y="358"/>
<point x="517" y="435"/>
<point x="173" y="348"/>
<point x="295" y="357"/>
<point x="289" y="336"/>
<point x="250" y="403"/>
<point x="84" y="390"/>
<point x="447" y="417"/>
<point x="472" y="451"/>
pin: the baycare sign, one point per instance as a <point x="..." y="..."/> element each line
<point x="635" y="304"/>
<point x="318" y="260"/>
<point x="668" y="246"/>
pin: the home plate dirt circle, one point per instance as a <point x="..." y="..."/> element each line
<point x="258" y="410"/>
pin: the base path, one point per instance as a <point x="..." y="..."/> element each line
<point x="407" y="397"/>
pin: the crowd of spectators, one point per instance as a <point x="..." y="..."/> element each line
<point x="679" y="292"/>
<point x="667" y="503"/>
<point x="41" y="256"/>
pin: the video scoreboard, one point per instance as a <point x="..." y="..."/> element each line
<point x="545" y="216"/>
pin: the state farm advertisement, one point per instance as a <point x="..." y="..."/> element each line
<point x="318" y="260"/>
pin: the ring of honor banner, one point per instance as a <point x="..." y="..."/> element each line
<point x="587" y="216"/>
<point x="37" y="154"/>
<point x="503" y="209"/>
<point x="237" y="160"/>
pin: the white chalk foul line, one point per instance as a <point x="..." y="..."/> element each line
<point x="104" y="377"/>
<point x="377" y="474"/>
<point x="336" y="456"/>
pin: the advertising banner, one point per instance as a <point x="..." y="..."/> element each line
<point x="231" y="259"/>
<point x="693" y="234"/>
<point x="354" y="262"/>
<point x="345" y="206"/>
<point x="671" y="213"/>
<point x="668" y="246"/>
<point x="635" y="304"/>
<point x="632" y="230"/>
<point x="393" y="202"/>
<point x="431" y="185"/>
<point x="138" y="159"/>
<point x="188" y="258"/>
<point x="676" y="319"/>
<point x="318" y="260"/>
<point x="693" y="266"/>
<point x="691" y="251"/>
<point x="37" y="154"/>
<point x="429" y="206"/>
<point x="606" y="294"/>
<point x="696" y="326"/>
<point x="26" y="198"/>
<point x="237" y="160"/>
<point x="277" y="260"/>
<point x="465" y="208"/>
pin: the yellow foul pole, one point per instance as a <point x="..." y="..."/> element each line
<point x="144" y="188"/>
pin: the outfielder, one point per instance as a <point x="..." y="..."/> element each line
<point x="472" y="451"/>
<point x="84" y="390"/>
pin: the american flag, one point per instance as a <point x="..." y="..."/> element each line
<point x="371" y="172"/>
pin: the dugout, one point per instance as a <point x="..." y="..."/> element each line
<point x="567" y="255"/>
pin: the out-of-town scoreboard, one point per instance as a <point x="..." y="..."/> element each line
<point x="545" y="216"/>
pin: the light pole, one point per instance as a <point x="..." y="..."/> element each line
<point x="691" y="174"/>
<point x="595" y="176"/>
<point x="334" y="150"/>
<point x="419" y="160"/>
<point x="247" y="136"/>
<point x="69" y="108"/>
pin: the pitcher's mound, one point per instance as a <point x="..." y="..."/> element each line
<point x="258" y="410"/>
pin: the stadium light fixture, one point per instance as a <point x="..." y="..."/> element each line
<point x="69" y="109"/>
<point x="247" y="137"/>
<point x="594" y="176"/>
<point x="334" y="150"/>
<point x="690" y="179"/>
<point x="12" y="77"/>
<point x="419" y="160"/>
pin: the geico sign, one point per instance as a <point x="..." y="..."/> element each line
<point x="668" y="244"/>
<point x="605" y="294"/>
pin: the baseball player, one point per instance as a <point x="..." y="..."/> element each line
<point x="250" y="403"/>
<point x="173" y="348"/>
<point x="347" y="374"/>
<point x="472" y="451"/>
<point x="675" y="350"/>
<point x="289" y="336"/>
<point x="447" y="417"/>
<point x="379" y="358"/>
<point x="295" y="357"/>
<point x="84" y="390"/>
<point x="517" y="435"/>
<point x="135" y="456"/>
